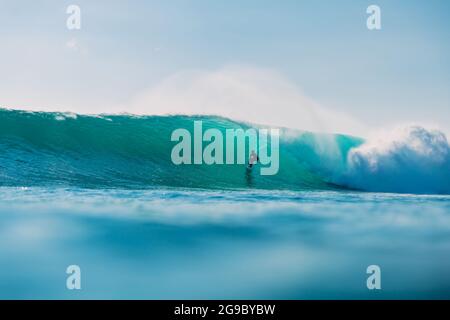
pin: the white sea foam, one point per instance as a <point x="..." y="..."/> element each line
<point x="409" y="159"/>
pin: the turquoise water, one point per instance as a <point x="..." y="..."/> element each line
<point x="101" y="192"/>
<point x="131" y="152"/>
<point x="183" y="244"/>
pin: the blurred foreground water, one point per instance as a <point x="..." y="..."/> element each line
<point x="185" y="244"/>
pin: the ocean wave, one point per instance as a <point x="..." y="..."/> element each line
<point x="134" y="152"/>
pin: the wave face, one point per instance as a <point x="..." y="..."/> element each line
<point x="131" y="152"/>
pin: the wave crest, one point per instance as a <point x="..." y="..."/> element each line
<point x="411" y="159"/>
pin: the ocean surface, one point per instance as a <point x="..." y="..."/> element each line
<point x="101" y="192"/>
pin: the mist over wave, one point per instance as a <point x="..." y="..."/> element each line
<point x="133" y="152"/>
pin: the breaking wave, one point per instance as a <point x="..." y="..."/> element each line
<point x="134" y="152"/>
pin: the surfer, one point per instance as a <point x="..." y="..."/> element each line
<point x="253" y="159"/>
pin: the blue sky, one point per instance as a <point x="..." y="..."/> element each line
<point x="321" y="48"/>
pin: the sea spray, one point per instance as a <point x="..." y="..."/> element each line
<point x="407" y="159"/>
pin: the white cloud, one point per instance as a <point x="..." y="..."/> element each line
<point x="74" y="45"/>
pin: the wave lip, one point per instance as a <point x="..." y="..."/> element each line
<point x="408" y="160"/>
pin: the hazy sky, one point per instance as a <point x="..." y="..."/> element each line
<point x="290" y="62"/>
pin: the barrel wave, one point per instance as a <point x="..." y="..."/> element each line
<point x="134" y="152"/>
